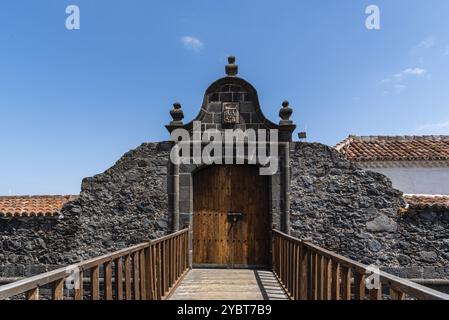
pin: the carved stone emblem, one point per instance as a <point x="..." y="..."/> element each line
<point x="230" y="112"/>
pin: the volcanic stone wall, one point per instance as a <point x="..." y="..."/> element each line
<point x="23" y="245"/>
<point x="334" y="204"/>
<point x="355" y="213"/>
<point x="423" y="248"/>
<point x="120" y="207"/>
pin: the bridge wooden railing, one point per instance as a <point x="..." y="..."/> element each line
<point x="308" y="272"/>
<point x="145" y="271"/>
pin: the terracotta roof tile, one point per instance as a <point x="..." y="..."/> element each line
<point x="395" y="148"/>
<point x="26" y="206"/>
<point x="424" y="201"/>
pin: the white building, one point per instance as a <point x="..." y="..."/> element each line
<point x="415" y="164"/>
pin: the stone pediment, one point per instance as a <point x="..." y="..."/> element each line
<point x="231" y="103"/>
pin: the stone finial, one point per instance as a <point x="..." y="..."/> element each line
<point x="177" y="114"/>
<point x="232" y="68"/>
<point x="285" y="114"/>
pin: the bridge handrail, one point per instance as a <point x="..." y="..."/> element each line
<point x="149" y="270"/>
<point x="309" y="272"/>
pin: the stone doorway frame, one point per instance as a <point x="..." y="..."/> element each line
<point x="180" y="191"/>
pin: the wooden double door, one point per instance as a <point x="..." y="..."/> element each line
<point x="231" y="224"/>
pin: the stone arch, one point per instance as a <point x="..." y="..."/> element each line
<point x="232" y="89"/>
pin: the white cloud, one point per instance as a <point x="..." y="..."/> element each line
<point x="415" y="71"/>
<point x="409" y="72"/>
<point x="397" y="81"/>
<point x="435" y="128"/>
<point x="192" y="43"/>
<point x="426" y="43"/>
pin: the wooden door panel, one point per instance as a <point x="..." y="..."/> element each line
<point x="209" y="220"/>
<point x="217" y="240"/>
<point x="249" y="196"/>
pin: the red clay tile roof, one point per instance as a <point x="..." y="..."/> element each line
<point x="395" y="148"/>
<point x="26" y="206"/>
<point x="424" y="201"/>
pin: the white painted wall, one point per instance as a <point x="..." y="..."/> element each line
<point x="418" y="180"/>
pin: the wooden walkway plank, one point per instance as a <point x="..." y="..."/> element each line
<point x="229" y="284"/>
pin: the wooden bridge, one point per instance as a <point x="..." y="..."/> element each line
<point x="160" y="269"/>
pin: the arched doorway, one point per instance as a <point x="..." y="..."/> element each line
<point x="231" y="223"/>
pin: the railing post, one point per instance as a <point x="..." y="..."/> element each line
<point x="128" y="277"/>
<point x="136" y="288"/>
<point x="176" y="257"/>
<point x="313" y="275"/>
<point x="396" y="295"/>
<point x="163" y="246"/>
<point x="119" y="278"/>
<point x="359" y="286"/>
<point x="273" y="252"/>
<point x="32" y="294"/>
<point x="319" y="281"/>
<point x="172" y="262"/>
<point x="327" y="289"/>
<point x="297" y="270"/>
<point x="281" y="260"/>
<point x="79" y="291"/>
<point x="142" y="267"/>
<point x="335" y="281"/>
<point x="346" y="283"/>
<point x="189" y="242"/>
<point x="107" y="280"/>
<point x="94" y="283"/>
<point x="160" y="282"/>
<point x="296" y="263"/>
<point x="376" y="293"/>
<point x="148" y="273"/>
<point x="58" y="290"/>
<point x="304" y="281"/>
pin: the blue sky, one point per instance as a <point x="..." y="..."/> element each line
<point x="72" y="102"/>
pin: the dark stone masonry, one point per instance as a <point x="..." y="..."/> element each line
<point x="122" y="206"/>
<point x="343" y="208"/>
<point x="23" y="245"/>
<point x="333" y="204"/>
<point x="355" y="212"/>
